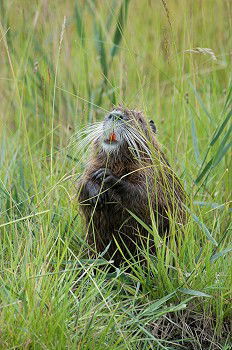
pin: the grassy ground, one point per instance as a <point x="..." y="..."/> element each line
<point x="63" y="64"/>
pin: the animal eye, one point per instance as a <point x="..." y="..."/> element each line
<point x="140" y="120"/>
<point x="115" y="116"/>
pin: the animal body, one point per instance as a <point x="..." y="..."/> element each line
<point x="127" y="180"/>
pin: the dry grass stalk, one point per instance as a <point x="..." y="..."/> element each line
<point x="167" y="12"/>
<point x="204" y="51"/>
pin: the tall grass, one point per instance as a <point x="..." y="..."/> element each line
<point x="63" y="65"/>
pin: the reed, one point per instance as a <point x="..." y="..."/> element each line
<point x="57" y="77"/>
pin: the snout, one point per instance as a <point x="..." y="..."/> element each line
<point x="113" y="126"/>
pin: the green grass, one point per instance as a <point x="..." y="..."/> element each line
<point x="63" y="64"/>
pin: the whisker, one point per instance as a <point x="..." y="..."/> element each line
<point x="140" y="139"/>
<point x="87" y="135"/>
<point x="88" y="129"/>
<point x="132" y="145"/>
<point x="135" y="140"/>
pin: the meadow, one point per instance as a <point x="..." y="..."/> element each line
<point x="64" y="64"/>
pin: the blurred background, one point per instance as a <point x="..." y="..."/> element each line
<point x="64" y="63"/>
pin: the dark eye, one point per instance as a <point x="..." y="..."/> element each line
<point x="115" y="116"/>
<point x="140" y="120"/>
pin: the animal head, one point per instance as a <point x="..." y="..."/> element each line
<point x="120" y="131"/>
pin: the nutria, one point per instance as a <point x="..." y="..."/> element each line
<point x="127" y="185"/>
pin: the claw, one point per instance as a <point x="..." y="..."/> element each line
<point x="96" y="199"/>
<point x="101" y="174"/>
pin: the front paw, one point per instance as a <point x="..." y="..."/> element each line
<point x="101" y="174"/>
<point x="106" y="176"/>
<point x="97" y="198"/>
<point x="99" y="201"/>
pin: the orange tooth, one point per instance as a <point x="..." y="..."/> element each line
<point x="112" y="137"/>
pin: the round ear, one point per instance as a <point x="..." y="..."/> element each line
<point x="153" y="127"/>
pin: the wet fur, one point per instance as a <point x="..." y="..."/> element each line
<point x="124" y="184"/>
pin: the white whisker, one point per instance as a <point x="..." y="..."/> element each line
<point x="126" y="133"/>
<point x="140" y="139"/>
<point x="96" y="127"/>
<point x="87" y="135"/>
<point x="132" y="145"/>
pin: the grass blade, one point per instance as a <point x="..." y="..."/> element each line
<point x="195" y="142"/>
<point x="203" y="228"/>
<point x="229" y="97"/>
<point x="221" y="153"/>
<point x="201" y="103"/>
<point x="211" y="205"/>
<point x="195" y="293"/>
<point x="220" y="254"/>
<point x="152" y="232"/>
<point x="121" y="21"/>
<point x="141" y="222"/>
<point x="204" y="171"/>
<point x="99" y="42"/>
<point x="111" y="15"/>
<point x="215" y="160"/>
<point x="24" y="218"/>
<point x="222" y="127"/>
<point x="156" y="305"/>
<point x="79" y="23"/>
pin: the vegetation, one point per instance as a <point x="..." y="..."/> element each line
<point x="63" y="65"/>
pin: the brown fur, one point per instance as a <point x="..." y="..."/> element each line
<point x="147" y="183"/>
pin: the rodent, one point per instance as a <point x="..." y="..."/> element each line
<point x="127" y="172"/>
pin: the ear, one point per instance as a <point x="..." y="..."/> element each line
<point x="153" y="127"/>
